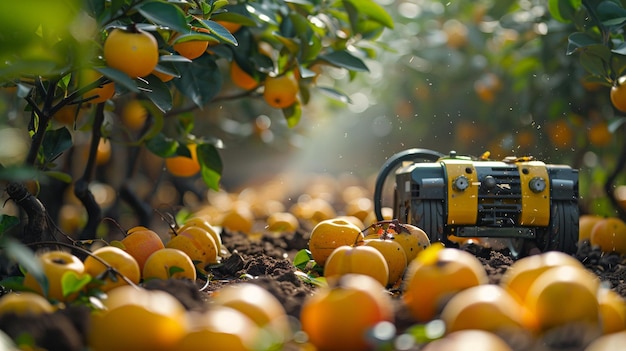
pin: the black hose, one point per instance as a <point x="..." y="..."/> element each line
<point x="392" y="162"/>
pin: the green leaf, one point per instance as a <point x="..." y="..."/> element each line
<point x="302" y="259"/>
<point x="165" y="14"/>
<point x="370" y="10"/>
<point x="55" y="143"/>
<point x="200" y="80"/>
<point x="119" y="77"/>
<point x="26" y="259"/>
<point x="18" y="173"/>
<point x="563" y="10"/>
<point x="611" y="13"/>
<point x="62" y="176"/>
<point x="579" y="40"/>
<point x="345" y="60"/>
<point x="335" y="94"/>
<point x="221" y="32"/>
<point x="72" y="283"/>
<point x="615" y="124"/>
<point x="211" y="165"/>
<point x="157" y="91"/>
<point x="7" y="222"/>
<point x="161" y="145"/>
<point x="293" y="114"/>
<point x="173" y="270"/>
<point x="593" y="64"/>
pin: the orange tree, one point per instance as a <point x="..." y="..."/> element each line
<point x="507" y="77"/>
<point x="171" y="56"/>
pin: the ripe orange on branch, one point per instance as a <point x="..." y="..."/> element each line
<point x="281" y="91"/>
<point x="135" y="52"/>
<point x="618" y="94"/>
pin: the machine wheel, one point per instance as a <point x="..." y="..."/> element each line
<point x="562" y="233"/>
<point x="428" y="215"/>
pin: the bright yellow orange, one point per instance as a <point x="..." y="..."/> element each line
<point x="202" y="221"/>
<point x="134" y="115"/>
<point x="134" y="53"/>
<point x="487" y="307"/>
<point x="24" y="303"/>
<point x="169" y="263"/>
<point x="198" y="244"/>
<point x="55" y="265"/>
<point x="394" y="254"/>
<point x="226" y="328"/>
<point x="181" y="166"/>
<point x="523" y="272"/>
<point x="118" y="259"/>
<point x="612" y="311"/>
<point x="362" y="259"/>
<point x="137" y="320"/>
<point x="281" y="91"/>
<point x="241" y="78"/>
<point x="562" y="295"/>
<point x="258" y="304"/>
<point x="585" y="224"/>
<point x="435" y="275"/>
<point x="618" y="94"/>
<point x="610" y="235"/>
<point x="339" y="316"/>
<point x="239" y="218"/>
<point x="329" y="234"/>
<point x="282" y="222"/>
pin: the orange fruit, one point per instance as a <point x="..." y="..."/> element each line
<point x="330" y="234"/>
<point x="281" y="91"/>
<point x="468" y="340"/>
<point x="258" y="304"/>
<point x="585" y="224"/>
<point x="191" y="49"/>
<point x="282" y="222"/>
<point x="230" y="26"/>
<point x="103" y="153"/>
<point x="618" y="94"/>
<point x="338" y="317"/>
<point x="610" y="235"/>
<point x="365" y="260"/>
<point x="394" y="254"/>
<point x="435" y="275"/>
<point x="599" y="134"/>
<point x="201" y="221"/>
<point x="226" y="328"/>
<point x="164" y="77"/>
<point x="456" y="33"/>
<point x="560" y="133"/>
<point x="117" y="258"/>
<point x="169" y="263"/>
<point x="560" y="296"/>
<point x="99" y="94"/>
<point x="24" y="303"/>
<point x="135" y="53"/>
<point x="487" y="307"/>
<point x="68" y="114"/>
<point x="134" y="115"/>
<point x="522" y="273"/>
<point x="241" y="78"/>
<point x="56" y="264"/>
<point x="239" y="218"/>
<point x="136" y="319"/>
<point x="182" y="166"/>
<point x="198" y="244"/>
<point x="140" y="243"/>
<point x="612" y="311"/>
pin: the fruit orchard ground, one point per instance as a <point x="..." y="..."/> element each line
<point x="267" y="260"/>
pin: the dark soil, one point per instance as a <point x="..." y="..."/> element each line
<point x="267" y="260"/>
